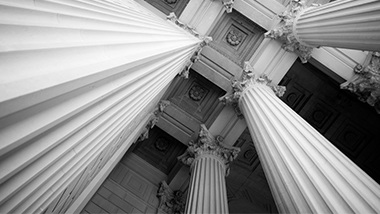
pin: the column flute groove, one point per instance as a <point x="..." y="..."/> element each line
<point x="207" y="186"/>
<point x="306" y="173"/>
<point x="77" y="78"/>
<point x="349" y="24"/>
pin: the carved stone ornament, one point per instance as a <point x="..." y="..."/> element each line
<point x="173" y="18"/>
<point x="197" y="92"/>
<point x="208" y="144"/>
<point x="233" y="38"/>
<point x="196" y="56"/>
<point x="284" y="32"/>
<point x="157" y="112"/>
<point x="171" y="1"/>
<point x="170" y="202"/>
<point x="366" y="81"/>
<point x="228" y="4"/>
<point x="248" y="79"/>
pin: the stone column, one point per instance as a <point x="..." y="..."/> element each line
<point x="209" y="159"/>
<point x="349" y="24"/>
<point x="306" y="173"/>
<point x="76" y="79"/>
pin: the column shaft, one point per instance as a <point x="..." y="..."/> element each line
<point x="306" y="173"/>
<point x="209" y="159"/>
<point x="75" y="77"/>
<point x="347" y="24"/>
<point x="207" y="190"/>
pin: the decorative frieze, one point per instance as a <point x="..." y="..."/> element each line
<point x="366" y="81"/>
<point x="285" y="32"/>
<point x="248" y="79"/>
<point x="170" y="202"/>
<point x="158" y="111"/>
<point x="207" y="144"/>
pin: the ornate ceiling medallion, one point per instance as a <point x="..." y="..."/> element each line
<point x="234" y="38"/>
<point x="197" y="92"/>
<point x="161" y="144"/>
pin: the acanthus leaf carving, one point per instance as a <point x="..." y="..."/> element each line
<point x="366" y="81"/>
<point x="171" y="202"/>
<point x="248" y="79"/>
<point x="196" y="55"/>
<point x="155" y="116"/>
<point x="285" y="31"/>
<point x="208" y="144"/>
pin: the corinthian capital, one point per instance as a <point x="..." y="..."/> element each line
<point x="248" y="79"/>
<point x="207" y="144"/>
<point x="285" y="32"/>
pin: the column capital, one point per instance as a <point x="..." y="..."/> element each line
<point x="207" y="144"/>
<point x="286" y="31"/>
<point x="366" y="81"/>
<point x="205" y="40"/>
<point x="249" y="79"/>
<point x="228" y="4"/>
<point x="170" y="201"/>
<point x="155" y="116"/>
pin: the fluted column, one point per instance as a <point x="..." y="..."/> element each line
<point x="350" y="24"/>
<point x="209" y="160"/>
<point x="76" y="78"/>
<point x="306" y="173"/>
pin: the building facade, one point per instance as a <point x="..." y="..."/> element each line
<point x="99" y="98"/>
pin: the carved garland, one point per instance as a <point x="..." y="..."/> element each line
<point x="158" y="111"/>
<point x="196" y="55"/>
<point x="248" y="78"/>
<point x="366" y="81"/>
<point x="285" y="32"/>
<point x="208" y="144"/>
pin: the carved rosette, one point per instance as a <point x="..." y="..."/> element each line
<point x="285" y="31"/>
<point x="170" y="202"/>
<point x="366" y="81"/>
<point x="207" y="144"/>
<point x="234" y="38"/>
<point x="157" y="112"/>
<point x="249" y="79"/>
